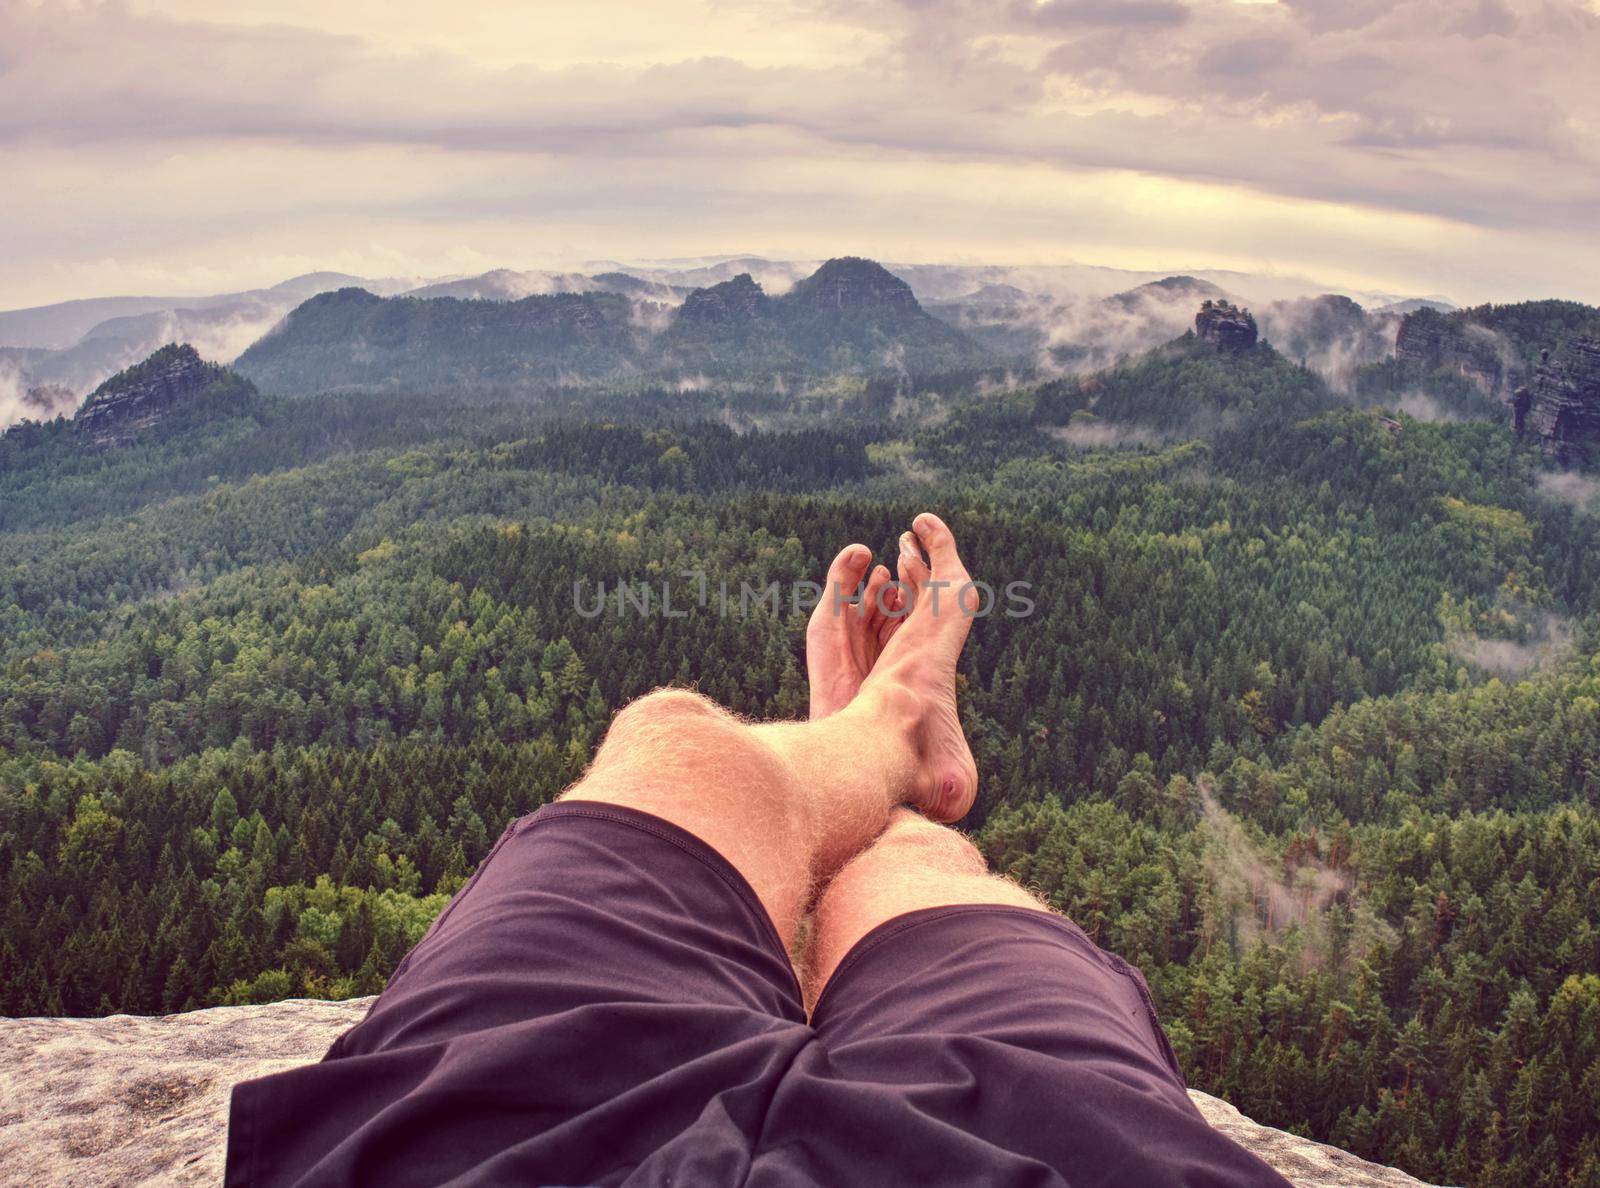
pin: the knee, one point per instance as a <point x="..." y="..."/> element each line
<point x="913" y="840"/>
<point x="672" y="708"/>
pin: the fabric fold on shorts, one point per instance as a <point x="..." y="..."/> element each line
<point x="607" y="1002"/>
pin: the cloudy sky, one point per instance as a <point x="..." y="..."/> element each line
<point x="186" y="146"/>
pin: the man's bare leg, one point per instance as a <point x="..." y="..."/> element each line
<point x="913" y="864"/>
<point x="788" y="804"/>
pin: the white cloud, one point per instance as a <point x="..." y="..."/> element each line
<point x="1418" y="145"/>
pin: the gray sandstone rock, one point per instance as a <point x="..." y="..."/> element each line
<point x="1561" y="406"/>
<point x="1225" y="326"/>
<point x="131" y="402"/>
<point x="733" y="302"/>
<point x="1434" y="341"/>
<point x="128" y="1101"/>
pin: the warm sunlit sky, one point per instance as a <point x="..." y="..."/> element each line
<point x="191" y="146"/>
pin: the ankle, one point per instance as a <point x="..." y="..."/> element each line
<point x="889" y="708"/>
<point x="882" y="725"/>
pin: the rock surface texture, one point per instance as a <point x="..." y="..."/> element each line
<point x="730" y="303"/>
<point x="1226" y="326"/>
<point x="1435" y="341"/>
<point x="1561" y="406"/>
<point x="132" y="401"/>
<point x="126" y="1101"/>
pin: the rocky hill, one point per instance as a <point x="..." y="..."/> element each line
<point x="353" y="339"/>
<point x="1560" y="407"/>
<point x="1217" y="376"/>
<point x="1496" y="347"/>
<point x="850" y="285"/>
<point x="1435" y="341"/>
<point x="736" y="302"/>
<point x="134" y="403"/>
<point x="123" y="1100"/>
<point x="853" y="314"/>
<point x="1225" y="326"/>
<point x="850" y="316"/>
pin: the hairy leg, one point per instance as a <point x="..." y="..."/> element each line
<point x="913" y="864"/>
<point x="784" y="803"/>
<point x="789" y="803"/>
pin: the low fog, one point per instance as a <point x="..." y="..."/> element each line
<point x="1256" y="894"/>
<point x="1088" y="434"/>
<point x="1579" y="490"/>
<point x="1061" y="333"/>
<point x="1420" y="406"/>
<point x="1545" y="641"/>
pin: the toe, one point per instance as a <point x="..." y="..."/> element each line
<point x="844" y="575"/>
<point x="849" y="565"/>
<point x="913" y="569"/>
<point x="875" y="599"/>
<point x="940" y="543"/>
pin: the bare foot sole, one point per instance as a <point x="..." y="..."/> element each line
<point x="844" y="639"/>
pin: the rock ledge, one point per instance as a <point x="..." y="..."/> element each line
<point x="126" y="1100"/>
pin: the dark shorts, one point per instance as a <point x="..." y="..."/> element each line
<point x="607" y="1002"/>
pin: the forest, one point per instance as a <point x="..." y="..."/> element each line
<point x="1305" y="723"/>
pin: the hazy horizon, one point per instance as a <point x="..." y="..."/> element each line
<point x="1117" y="279"/>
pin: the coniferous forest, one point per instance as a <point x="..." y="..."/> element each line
<point x="1305" y="720"/>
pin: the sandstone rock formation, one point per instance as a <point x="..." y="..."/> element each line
<point x="1561" y="406"/>
<point x="1436" y="341"/>
<point x="849" y="283"/>
<point x="570" y="315"/>
<point x="132" y="401"/>
<point x="729" y="303"/>
<point x="129" y="1101"/>
<point x="1225" y="326"/>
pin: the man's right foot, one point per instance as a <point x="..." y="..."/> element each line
<point x="916" y="674"/>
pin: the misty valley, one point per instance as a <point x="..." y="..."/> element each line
<point x="1302" y="718"/>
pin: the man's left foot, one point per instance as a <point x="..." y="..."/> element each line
<point x="844" y="639"/>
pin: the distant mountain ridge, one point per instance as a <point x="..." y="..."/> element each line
<point x="351" y="338"/>
<point x="58" y="326"/>
<point x="77" y="344"/>
<point x="850" y="316"/>
<point x="743" y="320"/>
